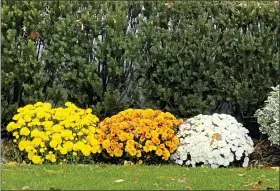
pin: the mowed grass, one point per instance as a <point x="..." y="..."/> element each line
<point x="136" y="177"/>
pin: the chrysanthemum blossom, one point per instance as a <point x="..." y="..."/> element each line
<point x="213" y="140"/>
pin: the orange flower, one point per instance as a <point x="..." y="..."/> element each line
<point x="148" y="135"/>
<point x="156" y="141"/>
<point x="140" y="131"/>
<point x="118" y="152"/>
<point x="159" y="152"/>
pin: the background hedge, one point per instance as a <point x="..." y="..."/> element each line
<point x="183" y="57"/>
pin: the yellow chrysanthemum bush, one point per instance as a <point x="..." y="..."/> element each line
<point x="139" y="135"/>
<point x="55" y="135"/>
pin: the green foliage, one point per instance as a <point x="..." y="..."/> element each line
<point x="204" y="57"/>
<point x="64" y="64"/>
<point x="88" y="57"/>
<point x="269" y="116"/>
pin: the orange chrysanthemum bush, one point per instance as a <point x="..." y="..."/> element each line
<point x="54" y="135"/>
<point x="139" y="135"/>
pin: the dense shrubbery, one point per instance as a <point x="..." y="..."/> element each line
<point x="136" y="134"/>
<point x="216" y="140"/>
<point x="181" y="58"/>
<point x="51" y="134"/>
<point x="269" y="116"/>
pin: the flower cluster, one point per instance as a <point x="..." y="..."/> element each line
<point x="215" y="141"/>
<point x="268" y="117"/>
<point x="55" y="134"/>
<point x="139" y="133"/>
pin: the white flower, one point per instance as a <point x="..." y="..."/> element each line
<point x="180" y="162"/>
<point x="231" y="157"/>
<point x="245" y="164"/>
<point x="214" y="166"/>
<point x="212" y="140"/>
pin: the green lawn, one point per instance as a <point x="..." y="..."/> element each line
<point x="106" y="177"/>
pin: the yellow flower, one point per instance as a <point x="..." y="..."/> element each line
<point x="68" y="145"/>
<point x="80" y="133"/>
<point x="53" y="159"/>
<point x="57" y="128"/>
<point x="46" y="106"/>
<point x="96" y="149"/>
<point x="36" y="141"/>
<point x="35" y="133"/>
<point x="30" y="155"/>
<point x="11" y="126"/>
<point x="22" y="145"/>
<point x="38" y="104"/>
<point x="42" y="150"/>
<point x="68" y="104"/>
<point x="47" y="124"/>
<point x="21" y="122"/>
<point x="74" y="153"/>
<point x="15" y="133"/>
<point x="16" y="117"/>
<point x="57" y="137"/>
<point x="24" y="131"/>
<point x="63" y="150"/>
<point x="53" y="143"/>
<point x="146" y="148"/>
<point x="88" y="110"/>
<point x="27" y="118"/>
<point x="91" y="129"/>
<point x="86" y="150"/>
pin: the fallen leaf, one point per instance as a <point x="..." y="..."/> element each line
<point x="215" y="136"/>
<point x="80" y="165"/>
<point x="181" y="121"/>
<point x="182" y="180"/>
<point x="275" y="168"/>
<point x="246" y="184"/>
<point x="127" y="163"/>
<point x="53" y="171"/>
<point x="26" y="188"/>
<point x="12" y="163"/>
<point x="243" y="174"/>
<point x="119" y="180"/>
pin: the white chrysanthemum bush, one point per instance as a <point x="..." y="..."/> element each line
<point x="213" y="140"/>
<point x="268" y="116"/>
